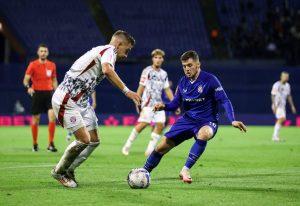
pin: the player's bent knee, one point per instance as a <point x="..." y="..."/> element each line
<point x="205" y="133"/>
<point x="35" y="119"/>
<point x="140" y="126"/>
<point x="158" y="128"/>
<point x="95" y="139"/>
<point x="82" y="135"/>
<point x="94" y="136"/>
<point x="84" y="140"/>
<point x="51" y="117"/>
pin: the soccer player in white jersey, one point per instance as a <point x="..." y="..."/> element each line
<point x="71" y="101"/>
<point x="93" y="103"/>
<point x="152" y="83"/>
<point x="281" y="91"/>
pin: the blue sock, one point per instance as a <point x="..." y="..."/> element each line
<point x="195" y="152"/>
<point x="152" y="161"/>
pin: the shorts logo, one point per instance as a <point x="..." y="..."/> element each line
<point x="200" y="89"/>
<point x="48" y="72"/>
<point x="213" y="124"/>
<point x="73" y="119"/>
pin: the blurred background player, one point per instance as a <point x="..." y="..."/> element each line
<point x="42" y="73"/>
<point x="93" y="103"/>
<point x="199" y="93"/>
<point x="71" y="102"/>
<point x="152" y="83"/>
<point x="281" y="91"/>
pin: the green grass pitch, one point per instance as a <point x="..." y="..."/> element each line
<point x="236" y="169"/>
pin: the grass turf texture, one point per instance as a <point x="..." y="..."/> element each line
<point x="236" y="169"/>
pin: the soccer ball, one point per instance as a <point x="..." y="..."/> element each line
<point x="138" y="178"/>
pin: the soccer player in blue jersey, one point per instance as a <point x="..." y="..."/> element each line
<point x="199" y="93"/>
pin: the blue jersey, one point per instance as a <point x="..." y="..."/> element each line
<point x="200" y="98"/>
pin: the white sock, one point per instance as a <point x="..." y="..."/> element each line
<point x="70" y="154"/>
<point x="84" y="155"/>
<point x="133" y="135"/>
<point x="276" y="130"/>
<point x="152" y="144"/>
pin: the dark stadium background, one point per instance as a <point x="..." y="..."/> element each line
<point x="245" y="43"/>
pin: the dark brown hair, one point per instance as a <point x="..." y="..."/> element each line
<point x="42" y="45"/>
<point x="189" y="54"/>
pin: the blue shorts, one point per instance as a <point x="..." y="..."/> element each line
<point x="185" y="128"/>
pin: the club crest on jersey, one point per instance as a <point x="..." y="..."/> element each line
<point x="73" y="119"/>
<point x="48" y="72"/>
<point x="200" y="89"/>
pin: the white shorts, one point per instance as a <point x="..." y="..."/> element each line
<point x="147" y="115"/>
<point x="72" y="116"/>
<point x="280" y="113"/>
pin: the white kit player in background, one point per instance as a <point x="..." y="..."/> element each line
<point x="71" y="102"/>
<point x="281" y="91"/>
<point x="152" y="83"/>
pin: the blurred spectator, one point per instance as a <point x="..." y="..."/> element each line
<point x="278" y="35"/>
<point x="18" y="108"/>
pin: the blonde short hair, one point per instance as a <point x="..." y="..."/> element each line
<point x="157" y="52"/>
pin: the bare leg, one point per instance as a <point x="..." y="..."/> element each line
<point x="277" y="127"/>
<point x="70" y="154"/>
<point x="73" y="150"/>
<point x="94" y="143"/>
<point x="34" y="130"/>
<point x="155" y="137"/>
<point x="51" y="130"/>
<point x="133" y="135"/>
<point x="164" y="147"/>
<point x="204" y="134"/>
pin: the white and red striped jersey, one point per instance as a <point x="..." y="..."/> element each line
<point x="281" y="92"/>
<point x="154" y="82"/>
<point x="86" y="72"/>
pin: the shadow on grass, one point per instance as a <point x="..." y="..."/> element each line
<point x="165" y="178"/>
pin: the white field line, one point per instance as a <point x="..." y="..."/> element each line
<point x="27" y="166"/>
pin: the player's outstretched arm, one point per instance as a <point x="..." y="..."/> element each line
<point x="94" y="100"/>
<point x="171" y="106"/>
<point x="273" y="107"/>
<point x="140" y="90"/>
<point x="239" y="125"/>
<point x="113" y="77"/>
<point x="175" y="103"/>
<point x="291" y="102"/>
<point x="226" y="103"/>
<point x="169" y="93"/>
<point x="221" y="98"/>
